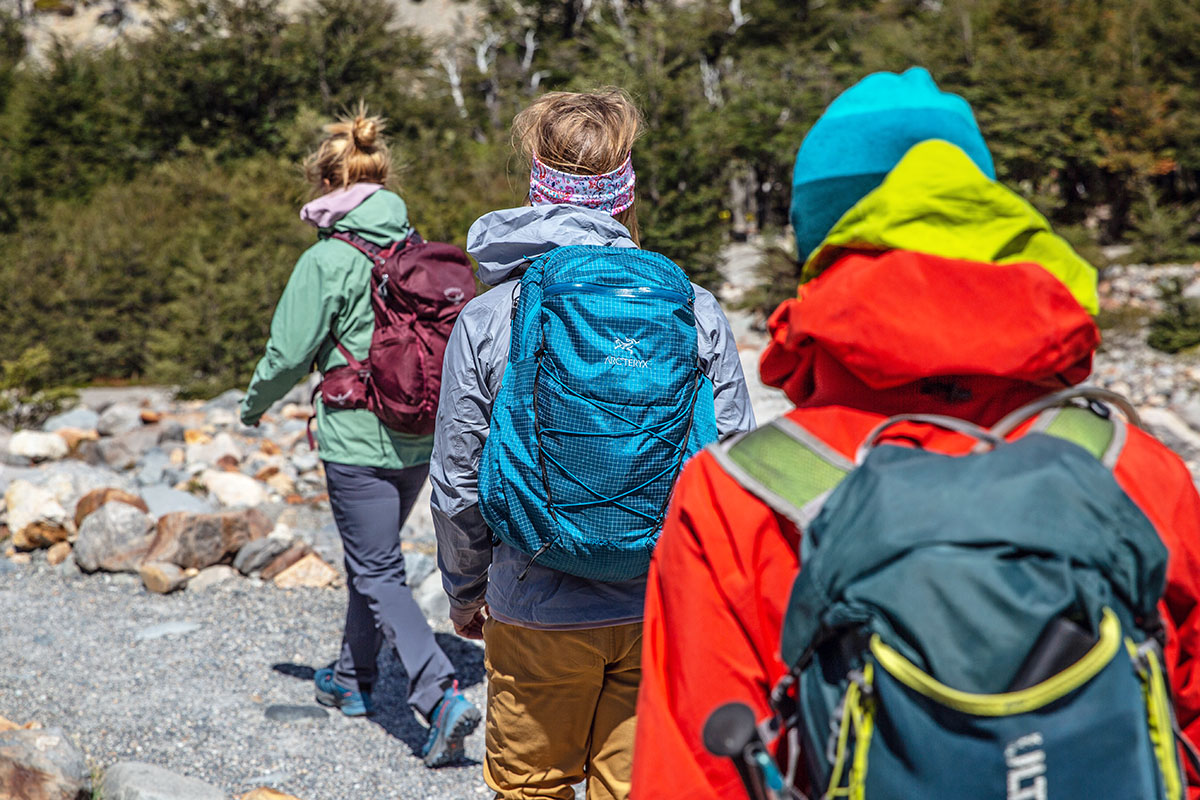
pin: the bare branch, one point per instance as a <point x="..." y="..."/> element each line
<point x="451" y="66"/>
<point x="710" y="79"/>
<point x="739" y="18"/>
<point x="531" y="44"/>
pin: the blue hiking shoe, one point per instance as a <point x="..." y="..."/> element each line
<point x="452" y="720"/>
<point x="352" y="704"/>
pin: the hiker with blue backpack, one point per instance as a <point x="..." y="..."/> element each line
<point x="371" y="304"/>
<point x="952" y="570"/>
<point x="573" y="392"/>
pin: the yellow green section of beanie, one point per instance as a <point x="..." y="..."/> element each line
<point x="937" y="201"/>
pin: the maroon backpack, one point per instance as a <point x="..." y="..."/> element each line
<point x="418" y="289"/>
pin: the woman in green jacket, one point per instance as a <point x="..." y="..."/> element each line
<point x="374" y="474"/>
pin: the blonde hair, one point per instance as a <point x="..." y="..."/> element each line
<point x="353" y="151"/>
<point x="585" y="133"/>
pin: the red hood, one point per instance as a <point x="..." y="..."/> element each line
<point x="908" y="332"/>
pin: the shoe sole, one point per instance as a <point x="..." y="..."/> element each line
<point x="330" y="700"/>
<point x="452" y="744"/>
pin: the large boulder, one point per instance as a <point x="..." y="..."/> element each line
<point x="162" y="578"/>
<point x="131" y="780"/>
<point x="110" y="494"/>
<point x="38" y="446"/>
<point x="234" y="489"/>
<point x="79" y="417"/>
<point x="257" y="553"/>
<point x="201" y="540"/>
<point x="124" y="450"/>
<point x="209" y="452"/>
<point x="119" y="418"/>
<point x="42" y="765"/>
<point x="35" y="517"/>
<point x="71" y="480"/>
<point x="165" y="500"/>
<point x="115" y="538"/>
<point x="1172" y="431"/>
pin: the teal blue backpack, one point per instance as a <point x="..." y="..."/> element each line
<point x="974" y="626"/>
<point x="603" y="399"/>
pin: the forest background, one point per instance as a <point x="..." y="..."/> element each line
<point x="148" y="211"/>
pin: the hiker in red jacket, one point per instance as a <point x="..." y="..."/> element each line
<point x="928" y="288"/>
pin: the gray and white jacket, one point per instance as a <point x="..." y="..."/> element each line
<point x="473" y="569"/>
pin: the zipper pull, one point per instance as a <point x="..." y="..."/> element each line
<point x="535" y="557"/>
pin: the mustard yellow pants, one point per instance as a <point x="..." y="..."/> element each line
<point x="561" y="708"/>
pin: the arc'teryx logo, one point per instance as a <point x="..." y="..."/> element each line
<point x="626" y="346"/>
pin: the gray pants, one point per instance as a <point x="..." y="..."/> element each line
<point x="370" y="506"/>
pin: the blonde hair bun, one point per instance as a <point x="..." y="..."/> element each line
<point x="364" y="130"/>
<point x="353" y="151"/>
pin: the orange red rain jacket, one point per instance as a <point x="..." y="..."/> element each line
<point x="882" y="330"/>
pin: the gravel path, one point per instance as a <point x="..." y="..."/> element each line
<point x="90" y="654"/>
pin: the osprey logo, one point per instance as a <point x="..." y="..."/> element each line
<point x="626" y="346"/>
<point x="340" y="398"/>
<point x="454" y="294"/>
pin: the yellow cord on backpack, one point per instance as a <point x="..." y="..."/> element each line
<point x="856" y="711"/>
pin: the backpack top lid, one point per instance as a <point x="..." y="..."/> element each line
<point x="958" y="562"/>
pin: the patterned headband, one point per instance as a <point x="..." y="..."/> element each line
<point x="611" y="192"/>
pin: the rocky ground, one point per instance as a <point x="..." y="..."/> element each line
<point x="172" y="579"/>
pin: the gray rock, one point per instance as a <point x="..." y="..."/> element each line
<point x="1173" y="432"/>
<point x="114" y="538"/>
<point x="131" y="780"/>
<point x="172" y="628"/>
<point x="70" y="480"/>
<point x="431" y="598"/>
<point x="152" y="467"/>
<point x="38" y="446"/>
<point x="79" y="417"/>
<point x="210" y="577"/>
<point x="163" y="500"/>
<point x="172" y="431"/>
<point x="418" y="566"/>
<point x="124" y="450"/>
<point x="1189" y="411"/>
<point x="222" y="418"/>
<point x="257" y="553"/>
<point x="233" y="489"/>
<point x="119" y="418"/>
<point x="9" y="473"/>
<point x="327" y="543"/>
<point x="228" y="400"/>
<point x="209" y="453"/>
<point x="295" y="713"/>
<point x="42" y="764"/>
<point x="304" y="460"/>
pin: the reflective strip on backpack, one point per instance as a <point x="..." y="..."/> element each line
<point x="785" y="466"/>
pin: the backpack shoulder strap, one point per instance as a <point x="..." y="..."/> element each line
<point x="1093" y="427"/>
<point x="785" y="466"/>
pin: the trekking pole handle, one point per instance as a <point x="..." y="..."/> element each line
<point x="940" y="420"/>
<point x="732" y="732"/>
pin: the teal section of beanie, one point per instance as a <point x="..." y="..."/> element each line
<point x="863" y="134"/>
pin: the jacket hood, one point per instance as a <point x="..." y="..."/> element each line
<point x="940" y="292"/>
<point x="367" y="209"/>
<point x="327" y="209"/>
<point x="504" y="241"/>
<point x="937" y="201"/>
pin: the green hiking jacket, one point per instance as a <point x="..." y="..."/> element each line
<point x="329" y="291"/>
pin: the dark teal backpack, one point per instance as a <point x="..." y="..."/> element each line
<point x="977" y="626"/>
